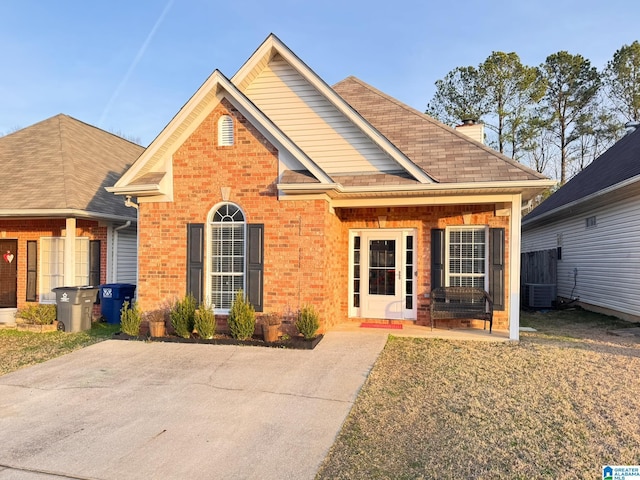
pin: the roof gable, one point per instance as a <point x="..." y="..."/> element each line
<point x="67" y="162"/>
<point x="618" y="164"/>
<point x="157" y="157"/>
<point x="321" y="109"/>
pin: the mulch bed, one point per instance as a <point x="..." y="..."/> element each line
<point x="298" y="343"/>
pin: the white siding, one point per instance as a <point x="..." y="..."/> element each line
<point x="126" y="257"/>
<point x="607" y="256"/>
<point x="313" y="123"/>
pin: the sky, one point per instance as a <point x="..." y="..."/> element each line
<point x="128" y="66"/>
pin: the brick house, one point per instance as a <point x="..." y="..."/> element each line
<point x="341" y="197"/>
<point x="58" y="226"/>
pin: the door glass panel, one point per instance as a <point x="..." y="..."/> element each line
<point x="382" y="267"/>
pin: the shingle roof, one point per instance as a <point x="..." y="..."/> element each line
<point x="621" y="162"/>
<point x="445" y="155"/>
<point x="63" y="163"/>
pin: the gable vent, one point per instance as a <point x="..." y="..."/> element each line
<point x="225" y="131"/>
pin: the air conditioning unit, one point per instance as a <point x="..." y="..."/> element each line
<point x="540" y="295"/>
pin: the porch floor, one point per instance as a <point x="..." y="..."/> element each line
<point x="420" y="331"/>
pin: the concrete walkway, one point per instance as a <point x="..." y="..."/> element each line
<point x="130" y="410"/>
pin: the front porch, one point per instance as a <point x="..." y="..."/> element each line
<point x="420" y="331"/>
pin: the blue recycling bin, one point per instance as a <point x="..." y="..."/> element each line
<point x="112" y="297"/>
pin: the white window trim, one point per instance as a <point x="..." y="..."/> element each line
<point x="65" y="281"/>
<point x="356" y="312"/>
<point x="447" y="274"/>
<point x="209" y="259"/>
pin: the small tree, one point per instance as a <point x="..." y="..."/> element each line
<point x="183" y="315"/>
<point x="308" y="322"/>
<point x="205" y="321"/>
<point x="130" y="318"/>
<point x="242" y="317"/>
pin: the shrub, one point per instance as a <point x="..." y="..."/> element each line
<point x="130" y="319"/>
<point x="37" y="314"/>
<point x="205" y="321"/>
<point x="242" y="317"/>
<point x="308" y="322"/>
<point x="183" y="314"/>
<point x="271" y="319"/>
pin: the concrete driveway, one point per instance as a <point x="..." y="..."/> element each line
<point x="130" y="410"/>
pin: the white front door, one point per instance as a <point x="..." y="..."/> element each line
<point x="382" y="295"/>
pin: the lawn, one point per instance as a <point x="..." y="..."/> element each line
<point x="19" y="349"/>
<point x="560" y="404"/>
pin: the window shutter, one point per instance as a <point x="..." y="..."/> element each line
<point x="496" y="267"/>
<point x="94" y="262"/>
<point x="195" y="260"/>
<point x="32" y="270"/>
<point x="437" y="258"/>
<point x="255" y="265"/>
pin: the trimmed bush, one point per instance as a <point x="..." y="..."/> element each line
<point x="37" y="314"/>
<point x="242" y="317"/>
<point x="183" y="314"/>
<point x="130" y="319"/>
<point x="205" y="321"/>
<point x="308" y="322"/>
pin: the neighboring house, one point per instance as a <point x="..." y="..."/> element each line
<point x="58" y="226"/>
<point x="344" y="198"/>
<point x="592" y="224"/>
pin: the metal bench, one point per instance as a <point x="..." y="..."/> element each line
<point x="449" y="303"/>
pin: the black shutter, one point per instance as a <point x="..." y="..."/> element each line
<point x="195" y="260"/>
<point x="255" y="265"/>
<point x="496" y="267"/>
<point x="437" y="258"/>
<point x="32" y="270"/>
<point x="94" y="262"/>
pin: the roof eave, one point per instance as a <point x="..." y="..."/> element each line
<point x="137" y="190"/>
<point x="566" y="209"/>
<point x="65" y="213"/>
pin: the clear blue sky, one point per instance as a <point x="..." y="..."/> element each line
<point x="129" y="65"/>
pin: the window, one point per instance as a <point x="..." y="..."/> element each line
<point x="590" y="222"/>
<point x="466" y="257"/>
<point x="227" y="254"/>
<point x="225" y="131"/>
<point x="52" y="265"/>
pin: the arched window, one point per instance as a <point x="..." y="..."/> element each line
<point x="227" y="259"/>
<point x="225" y="131"/>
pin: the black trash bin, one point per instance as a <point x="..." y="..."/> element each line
<point x="74" y="307"/>
<point x="112" y="297"/>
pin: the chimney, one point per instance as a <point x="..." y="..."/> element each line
<point x="472" y="129"/>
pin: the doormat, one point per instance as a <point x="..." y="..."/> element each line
<point x="394" y="326"/>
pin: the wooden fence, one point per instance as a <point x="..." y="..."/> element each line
<point x="539" y="267"/>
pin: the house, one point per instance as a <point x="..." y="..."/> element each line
<point x="341" y="197"/>
<point x="58" y="226"/>
<point x="591" y="227"/>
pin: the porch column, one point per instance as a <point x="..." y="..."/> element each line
<point x="514" y="267"/>
<point x="70" y="253"/>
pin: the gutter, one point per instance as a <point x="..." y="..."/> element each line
<point x="338" y="188"/>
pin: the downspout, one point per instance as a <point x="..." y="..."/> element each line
<point x="121" y="227"/>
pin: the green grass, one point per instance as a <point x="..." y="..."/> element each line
<point x="20" y="349"/>
<point x="560" y="404"/>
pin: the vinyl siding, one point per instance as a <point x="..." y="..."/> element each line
<point x="607" y="256"/>
<point x="313" y="123"/>
<point x="126" y="256"/>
